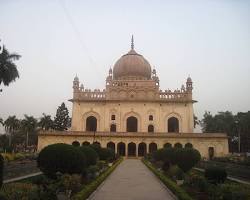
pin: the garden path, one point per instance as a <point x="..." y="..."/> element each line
<point x="132" y="180"/>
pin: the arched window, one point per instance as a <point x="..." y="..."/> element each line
<point x="97" y="144"/>
<point x="91" y="123"/>
<point x="211" y="152"/>
<point x="76" y="143"/>
<point x="112" y="128"/>
<point x="173" y="125"/>
<point x="150" y="118"/>
<point x="112" y="117"/>
<point x="132" y="124"/>
<point x="150" y="128"/>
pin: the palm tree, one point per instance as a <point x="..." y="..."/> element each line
<point x="46" y="122"/>
<point x="29" y="124"/>
<point x="8" y="69"/>
<point x="11" y="125"/>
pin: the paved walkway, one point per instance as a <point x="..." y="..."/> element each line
<point x="132" y="180"/>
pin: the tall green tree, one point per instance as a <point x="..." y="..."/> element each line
<point x="28" y="126"/>
<point x="62" y="119"/>
<point x="11" y="125"/>
<point x="236" y="126"/>
<point x="46" y="122"/>
<point x="8" y="68"/>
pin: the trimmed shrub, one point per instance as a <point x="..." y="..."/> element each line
<point x="175" y="173"/>
<point x="91" y="155"/>
<point x="103" y="153"/>
<point x="1" y="170"/>
<point x="62" y="158"/>
<point x="187" y="158"/>
<point x="71" y="182"/>
<point x="216" y="175"/>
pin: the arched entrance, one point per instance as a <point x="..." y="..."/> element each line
<point x="121" y="148"/>
<point x="142" y="149"/>
<point x="188" y="145"/>
<point x="132" y="124"/>
<point x="173" y="125"/>
<point x="111" y="145"/>
<point x="178" y="145"/>
<point x="76" y="143"/>
<point x="131" y="149"/>
<point x="167" y="145"/>
<point x="91" y="123"/>
<point x="97" y="144"/>
<point x="152" y="147"/>
<point x="85" y="143"/>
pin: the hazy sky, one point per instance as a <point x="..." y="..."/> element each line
<point x="208" y="40"/>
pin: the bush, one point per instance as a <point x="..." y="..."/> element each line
<point x="216" y="175"/>
<point x="1" y="170"/>
<point x="175" y="173"/>
<point x="187" y="158"/>
<point x="91" y="155"/>
<point x="71" y="182"/>
<point x="197" y="182"/>
<point x="104" y="153"/>
<point x="62" y="158"/>
<point x="16" y="191"/>
<point x="234" y="192"/>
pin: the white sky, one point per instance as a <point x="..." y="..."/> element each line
<point x="208" y="40"/>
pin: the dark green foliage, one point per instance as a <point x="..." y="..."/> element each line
<point x="62" y="158"/>
<point x="103" y="153"/>
<point x="231" y="124"/>
<point x="1" y="170"/>
<point x="8" y="69"/>
<point x="185" y="158"/>
<point x="91" y="155"/>
<point x="62" y="119"/>
<point x="216" y="174"/>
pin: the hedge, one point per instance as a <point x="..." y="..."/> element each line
<point x="92" y="186"/>
<point x="179" y="192"/>
<point x="1" y="170"/>
<point x="90" y="153"/>
<point x="62" y="158"/>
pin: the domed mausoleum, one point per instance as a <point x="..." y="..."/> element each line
<point x="133" y="116"/>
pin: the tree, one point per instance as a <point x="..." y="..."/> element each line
<point x="236" y="126"/>
<point x="46" y="122"/>
<point x="8" y="69"/>
<point x="28" y="125"/>
<point x="62" y="119"/>
<point x="11" y="125"/>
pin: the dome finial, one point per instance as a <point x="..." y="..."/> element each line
<point x="132" y="42"/>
